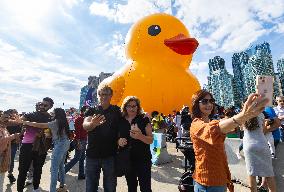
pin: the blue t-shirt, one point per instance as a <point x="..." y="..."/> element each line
<point x="270" y="113"/>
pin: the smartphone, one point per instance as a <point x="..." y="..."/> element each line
<point x="264" y="87"/>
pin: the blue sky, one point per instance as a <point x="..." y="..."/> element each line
<point x="50" y="47"/>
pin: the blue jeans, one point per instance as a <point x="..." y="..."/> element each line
<point x="80" y="155"/>
<point x="14" y="148"/>
<point x="201" y="188"/>
<point x="93" y="170"/>
<point x="282" y="134"/>
<point x="59" y="152"/>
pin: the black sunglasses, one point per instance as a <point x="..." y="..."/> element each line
<point x="206" y="101"/>
<point x="44" y="105"/>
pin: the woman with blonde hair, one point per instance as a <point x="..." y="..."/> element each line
<point x="136" y="132"/>
<point x="211" y="167"/>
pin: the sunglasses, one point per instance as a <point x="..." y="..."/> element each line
<point x="131" y="106"/>
<point x="44" y="105"/>
<point x="104" y="94"/>
<point x="206" y="101"/>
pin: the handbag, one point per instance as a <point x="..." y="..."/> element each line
<point x="41" y="144"/>
<point x="122" y="161"/>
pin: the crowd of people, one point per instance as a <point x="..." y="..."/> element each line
<point x="99" y="133"/>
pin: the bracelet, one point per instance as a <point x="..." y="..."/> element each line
<point x="234" y="120"/>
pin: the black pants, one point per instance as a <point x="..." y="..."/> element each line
<point x="276" y="142"/>
<point x="25" y="158"/>
<point x="142" y="172"/>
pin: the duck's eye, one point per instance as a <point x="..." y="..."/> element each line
<point x="154" y="30"/>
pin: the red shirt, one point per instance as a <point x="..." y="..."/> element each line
<point x="80" y="132"/>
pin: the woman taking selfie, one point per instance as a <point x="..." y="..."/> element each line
<point x="212" y="172"/>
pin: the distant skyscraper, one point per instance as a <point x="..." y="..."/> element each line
<point x="280" y="69"/>
<point x="247" y="65"/>
<point x="88" y="93"/>
<point x="239" y="60"/>
<point x="220" y="82"/>
<point x="279" y="83"/>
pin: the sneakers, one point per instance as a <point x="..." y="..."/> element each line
<point x="29" y="181"/>
<point x="29" y="178"/>
<point x="273" y="156"/>
<point x="62" y="189"/>
<point x="262" y="189"/>
<point x="238" y="155"/>
<point x="12" y="179"/>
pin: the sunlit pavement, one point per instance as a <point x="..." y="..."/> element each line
<point x="164" y="177"/>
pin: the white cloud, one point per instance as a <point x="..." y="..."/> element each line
<point x="34" y="19"/>
<point x="37" y="77"/>
<point x="216" y="24"/>
<point x="267" y="10"/>
<point x="279" y="28"/>
<point x="242" y="37"/>
<point x="131" y="11"/>
<point x="117" y="47"/>
<point x="200" y="70"/>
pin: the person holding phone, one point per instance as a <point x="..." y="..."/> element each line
<point x="101" y="123"/>
<point x="208" y="136"/>
<point x="136" y="132"/>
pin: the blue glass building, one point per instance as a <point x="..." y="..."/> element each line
<point x="220" y="82"/>
<point x="280" y="69"/>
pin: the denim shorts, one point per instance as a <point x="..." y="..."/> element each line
<point x="202" y="188"/>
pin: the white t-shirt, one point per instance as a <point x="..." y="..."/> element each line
<point x="279" y="112"/>
<point x="177" y="120"/>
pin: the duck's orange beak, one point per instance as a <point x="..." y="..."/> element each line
<point x="182" y="44"/>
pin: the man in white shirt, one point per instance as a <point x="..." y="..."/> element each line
<point x="279" y="110"/>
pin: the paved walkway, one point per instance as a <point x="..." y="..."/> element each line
<point x="164" y="177"/>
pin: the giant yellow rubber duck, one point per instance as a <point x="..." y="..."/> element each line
<point x="159" y="51"/>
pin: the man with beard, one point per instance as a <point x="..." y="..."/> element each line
<point x="28" y="153"/>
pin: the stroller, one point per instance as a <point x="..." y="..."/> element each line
<point x="171" y="134"/>
<point x="186" y="181"/>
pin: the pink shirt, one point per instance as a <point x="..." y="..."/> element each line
<point x="30" y="134"/>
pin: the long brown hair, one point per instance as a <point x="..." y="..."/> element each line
<point x="252" y="124"/>
<point x="126" y="101"/>
<point x="196" y="97"/>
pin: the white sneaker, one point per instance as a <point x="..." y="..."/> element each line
<point x="62" y="189"/>
<point x="29" y="181"/>
<point x="238" y="155"/>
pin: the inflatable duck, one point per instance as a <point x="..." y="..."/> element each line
<point x="159" y="51"/>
